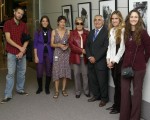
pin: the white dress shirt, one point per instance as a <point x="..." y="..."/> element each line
<point x="111" y="52"/>
<point x="80" y="34"/>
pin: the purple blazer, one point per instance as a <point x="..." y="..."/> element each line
<point x="39" y="45"/>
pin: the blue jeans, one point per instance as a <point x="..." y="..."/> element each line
<point x="13" y="64"/>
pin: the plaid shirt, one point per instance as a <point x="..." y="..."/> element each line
<point x="15" y="34"/>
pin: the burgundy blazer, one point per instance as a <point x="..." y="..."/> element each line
<point x="75" y="46"/>
<point x="142" y="55"/>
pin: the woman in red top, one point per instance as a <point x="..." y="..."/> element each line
<point x="78" y="60"/>
<point x="136" y="37"/>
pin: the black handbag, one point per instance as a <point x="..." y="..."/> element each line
<point x="27" y="37"/>
<point x="128" y="72"/>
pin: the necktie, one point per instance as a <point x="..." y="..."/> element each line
<point x="96" y="33"/>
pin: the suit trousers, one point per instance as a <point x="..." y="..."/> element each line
<point x="77" y="69"/>
<point x="131" y="105"/>
<point x="98" y="82"/>
<point x="116" y="75"/>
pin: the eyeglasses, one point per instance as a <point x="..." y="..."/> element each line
<point x="77" y="23"/>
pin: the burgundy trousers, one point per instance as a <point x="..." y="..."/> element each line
<point x="131" y="105"/>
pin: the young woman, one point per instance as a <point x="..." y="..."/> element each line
<point x="61" y="67"/>
<point x="114" y="56"/>
<point x="43" y="53"/>
<point x="78" y="58"/>
<point x="136" y="37"/>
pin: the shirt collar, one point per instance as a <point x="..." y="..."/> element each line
<point x="99" y="28"/>
<point x="15" y="22"/>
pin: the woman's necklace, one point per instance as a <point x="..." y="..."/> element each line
<point x="45" y="33"/>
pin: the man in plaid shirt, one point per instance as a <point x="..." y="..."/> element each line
<point x="16" y="57"/>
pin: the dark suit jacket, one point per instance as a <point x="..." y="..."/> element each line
<point x="98" y="48"/>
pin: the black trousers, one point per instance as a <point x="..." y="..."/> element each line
<point x="98" y="83"/>
<point x="116" y="75"/>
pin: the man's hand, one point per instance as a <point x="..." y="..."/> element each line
<point x="22" y="49"/>
<point x="19" y="55"/>
<point x="92" y="60"/>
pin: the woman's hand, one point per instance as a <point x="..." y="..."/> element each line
<point x="63" y="47"/>
<point x="36" y="59"/>
<point x="110" y="64"/>
<point x="83" y="51"/>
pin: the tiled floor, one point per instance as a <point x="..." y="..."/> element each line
<point x="31" y="75"/>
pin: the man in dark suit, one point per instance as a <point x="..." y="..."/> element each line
<point x="96" y="48"/>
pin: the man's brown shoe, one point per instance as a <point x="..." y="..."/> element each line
<point x="102" y="103"/>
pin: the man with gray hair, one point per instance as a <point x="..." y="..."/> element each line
<point x="96" y="48"/>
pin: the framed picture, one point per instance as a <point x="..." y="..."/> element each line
<point x="84" y="11"/>
<point x="106" y="8"/>
<point x="67" y="12"/>
<point x="142" y="7"/>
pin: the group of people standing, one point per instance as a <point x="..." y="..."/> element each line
<point x="90" y="53"/>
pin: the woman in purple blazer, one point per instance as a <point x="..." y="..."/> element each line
<point x="43" y="53"/>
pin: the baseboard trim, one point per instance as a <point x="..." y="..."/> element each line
<point x="145" y="110"/>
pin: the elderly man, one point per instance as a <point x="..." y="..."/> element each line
<point x="96" y="48"/>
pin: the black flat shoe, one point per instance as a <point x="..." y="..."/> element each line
<point x="77" y="96"/>
<point x="114" y="112"/>
<point x="39" y="91"/>
<point x="87" y="95"/>
<point x="110" y="108"/>
<point x="47" y="92"/>
<point x="92" y="99"/>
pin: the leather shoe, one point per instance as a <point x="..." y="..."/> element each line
<point x="114" y="111"/>
<point x="92" y="99"/>
<point x="110" y="108"/>
<point x="77" y="96"/>
<point x="102" y="103"/>
<point x="87" y="95"/>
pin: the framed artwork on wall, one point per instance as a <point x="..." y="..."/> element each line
<point x="142" y="7"/>
<point x="106" y="8"/>
<point x="84" y="11"/>
<point x="67" y="12"/>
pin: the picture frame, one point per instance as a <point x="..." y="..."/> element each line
<point x="84" y="11"/>
<point x="106" y="8"/>
<point x="142" y="7"/>
<point x="67" y="12"/>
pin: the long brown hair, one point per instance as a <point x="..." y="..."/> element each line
<point x="138" y="28"/>
<point x="119" y="27"/>
<point x="49" y="25"/>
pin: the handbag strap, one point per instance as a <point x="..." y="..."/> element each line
<point x="134" y="55"/>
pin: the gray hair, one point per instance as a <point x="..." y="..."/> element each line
<point x="99" y="16"/>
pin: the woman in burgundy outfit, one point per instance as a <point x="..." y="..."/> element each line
<point x="136" y="37"/>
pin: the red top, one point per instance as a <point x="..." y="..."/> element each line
<point x="15" y="34"/>
<point x="142" y="55"/>
<point x="75" y="46"/>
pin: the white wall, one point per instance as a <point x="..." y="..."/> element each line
<point x="52" y="8"/>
